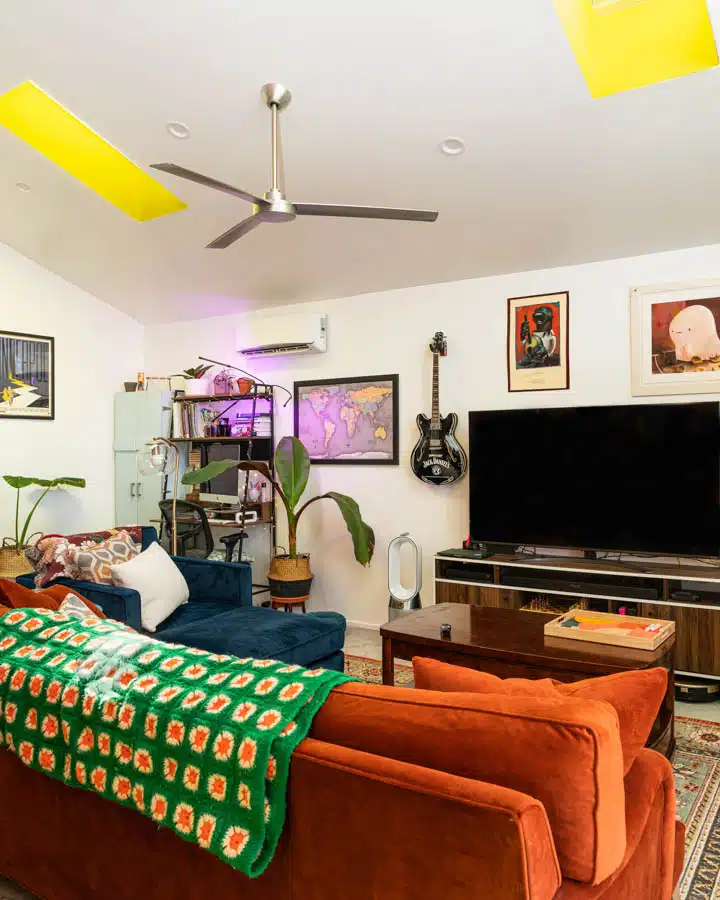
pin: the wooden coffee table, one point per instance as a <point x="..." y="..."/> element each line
<point x="511" y="644"/>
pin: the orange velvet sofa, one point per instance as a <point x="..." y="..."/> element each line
<point x="397" y="794"/>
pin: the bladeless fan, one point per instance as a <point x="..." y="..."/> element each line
<point x="402" y="598"/>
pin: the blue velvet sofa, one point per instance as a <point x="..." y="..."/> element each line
<point x="220" y="616"/>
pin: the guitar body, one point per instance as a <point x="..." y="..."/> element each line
<point x="438" y="458"/>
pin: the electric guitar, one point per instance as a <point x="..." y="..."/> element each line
<point x="438" y="458"/>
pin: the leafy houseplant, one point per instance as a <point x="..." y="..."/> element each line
<point x="290" y="574"/>
<point x="196" y="384"/>
<point x="13" y="561"/>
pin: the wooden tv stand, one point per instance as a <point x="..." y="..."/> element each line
<point x="510" y="582"/>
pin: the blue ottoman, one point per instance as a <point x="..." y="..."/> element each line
<point x="315" y="639"/>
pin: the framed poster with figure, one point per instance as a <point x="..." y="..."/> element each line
<point x="537" y="350"/>
<point x="27" y="376"/>
<point x="675" y="347"/>
<point x="349" y="420"/>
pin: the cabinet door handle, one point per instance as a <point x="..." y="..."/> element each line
<point x="139" y="489"/>
<point x="132" y="488"/>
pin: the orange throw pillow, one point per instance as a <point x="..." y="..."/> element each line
<point x="635" y="696"/>
<point x="16" y="596"/>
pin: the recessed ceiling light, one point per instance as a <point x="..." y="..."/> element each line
<point x="22" y="186"/>
<point x="178" y="130"/>
<point x="453" y="146"/>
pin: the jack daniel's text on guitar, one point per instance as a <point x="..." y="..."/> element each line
<point x="438" y="457"/>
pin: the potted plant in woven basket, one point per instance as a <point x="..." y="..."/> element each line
<point x="13" y="561"/>
<point x="290" y="575"/>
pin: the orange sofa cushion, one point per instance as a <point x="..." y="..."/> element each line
<point x="16" y="596"/>
<point x="636" y="696"/>
<point x="564" y="751"/>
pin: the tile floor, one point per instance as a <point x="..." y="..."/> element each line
<point x="367" y="642"/>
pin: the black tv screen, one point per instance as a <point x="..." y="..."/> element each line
<point x="643" y="478"/>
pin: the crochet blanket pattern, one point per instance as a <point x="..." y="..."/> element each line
<point x="199" y="742"/>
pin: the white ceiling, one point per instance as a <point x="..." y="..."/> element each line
<point x="550" y="176"/>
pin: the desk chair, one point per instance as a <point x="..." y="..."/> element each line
<point x="194" y="535"/>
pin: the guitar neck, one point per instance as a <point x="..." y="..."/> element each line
<point x="435" y="424"/>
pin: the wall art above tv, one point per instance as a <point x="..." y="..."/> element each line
<point x="675" y="347"/>
<point x="537" y="335"/>
<point x="27" y="376"/>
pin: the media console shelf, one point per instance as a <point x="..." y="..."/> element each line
<point x="643" y="588"/>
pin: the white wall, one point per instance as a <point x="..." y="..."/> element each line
<point x="96" y="349"/>
<point x="389" y="332"/>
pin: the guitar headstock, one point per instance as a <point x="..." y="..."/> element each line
<point x="439" y="344"/>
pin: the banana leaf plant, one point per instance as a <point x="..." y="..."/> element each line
<point x="19" y="482"/>
<point x="292" y="468"/>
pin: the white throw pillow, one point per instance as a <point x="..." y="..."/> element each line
<point x="159" y="582"/>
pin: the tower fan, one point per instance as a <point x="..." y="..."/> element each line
<point x="403" y="598"/>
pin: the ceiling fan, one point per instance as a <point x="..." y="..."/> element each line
<point x="273" y="206"/>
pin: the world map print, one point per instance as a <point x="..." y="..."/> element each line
<point x="349" y="421"/>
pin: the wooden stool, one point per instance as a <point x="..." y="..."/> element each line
<point x="288" y="603"/>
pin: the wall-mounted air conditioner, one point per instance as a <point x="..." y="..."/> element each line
<point x="276" y="335"/>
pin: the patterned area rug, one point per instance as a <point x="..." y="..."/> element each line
<point x="370" y="671"/>
<point x="697" y="778"/>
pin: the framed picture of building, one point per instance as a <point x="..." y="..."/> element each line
<point x="537" y="351"/>
<point x="674" y="339"/>
<point x="27" y="376"/>
<point x="349" y="420"/>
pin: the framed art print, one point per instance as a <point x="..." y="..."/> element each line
<point x="537" y="334"/>
<point x="349" y="420"/>
<point x="674" y="342"/>
<point x="27" y="376"/>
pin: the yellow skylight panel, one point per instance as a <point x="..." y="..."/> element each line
<point x="624" y="44"/>
<point x="33" y="116"/>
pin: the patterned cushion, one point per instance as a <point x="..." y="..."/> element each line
<point x="93" y="563"/>
<point x="50" y="555"/>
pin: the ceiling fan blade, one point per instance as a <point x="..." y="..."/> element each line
<point x="365" y="212"/>
<point x="235" y="233"/>
<point x="189" y="175"/>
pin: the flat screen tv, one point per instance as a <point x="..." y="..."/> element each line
<point x="642" y="478"/>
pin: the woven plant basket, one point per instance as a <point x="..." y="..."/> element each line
<point x="13" y="563"/>
<point x="290" y="579"/>
<point x="282" y="568"/>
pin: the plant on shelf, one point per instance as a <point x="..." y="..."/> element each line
<point x="12" y="555"/>
<point x="196" y="384"/>
<point x="195" y="372"/>
<point x="290" y="576"/>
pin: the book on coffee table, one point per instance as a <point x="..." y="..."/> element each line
<point x="608" y="628"/>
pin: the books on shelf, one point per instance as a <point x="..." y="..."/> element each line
<point x="192" y="420"/>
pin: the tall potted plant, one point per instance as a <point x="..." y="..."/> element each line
<point x="290" y="575"/>
<point x="13" y="561"/>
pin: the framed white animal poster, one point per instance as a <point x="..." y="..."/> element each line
<point x="675" y="339"/>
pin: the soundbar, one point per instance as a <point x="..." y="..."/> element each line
<point x="582" y="588"/>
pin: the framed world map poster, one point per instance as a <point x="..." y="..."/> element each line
<point x="27" y="376"/>
<point x="349" y="420"/>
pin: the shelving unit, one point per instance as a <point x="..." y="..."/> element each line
<point x="643" y="588"/>
<point x="259" y="448"/>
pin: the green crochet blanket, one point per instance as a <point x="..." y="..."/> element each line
<point x="198" y="742"/>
